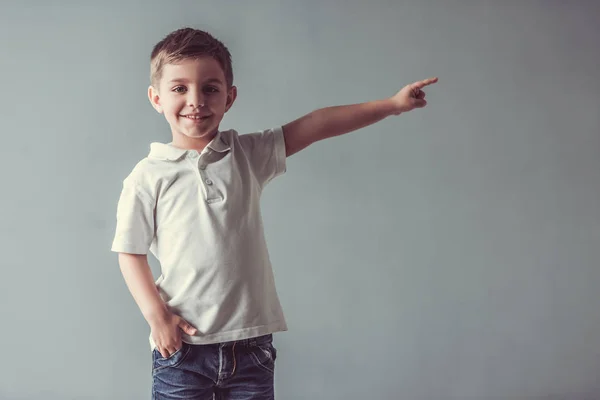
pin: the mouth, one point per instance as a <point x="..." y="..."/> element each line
<point x="196" y="117"/>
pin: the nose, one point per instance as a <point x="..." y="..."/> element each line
<point x="195" y="99"/>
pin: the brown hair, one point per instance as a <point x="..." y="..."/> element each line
<point x="188" y="43"/>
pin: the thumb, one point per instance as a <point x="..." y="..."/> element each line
<point x="187" y="328"/>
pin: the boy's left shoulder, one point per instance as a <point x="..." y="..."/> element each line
<point x="234" y="139"/>
<point x="257" y="136"/>
<point x="259" y="143"/>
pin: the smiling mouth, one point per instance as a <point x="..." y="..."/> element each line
<point x="196" y="117"/>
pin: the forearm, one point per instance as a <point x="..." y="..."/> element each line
<point x="334" y="121"/>
<point x="139" y="280"/>
<point x="338" y="120"/>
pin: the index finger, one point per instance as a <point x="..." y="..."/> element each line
<point x="425" y="82"/>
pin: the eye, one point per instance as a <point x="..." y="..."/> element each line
<point x="211" y="89"/>
<point x="179" y="89"/>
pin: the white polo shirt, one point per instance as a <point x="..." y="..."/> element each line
<point x="199" y="214"/>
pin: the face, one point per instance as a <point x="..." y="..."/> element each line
<point x="194" y="97"/>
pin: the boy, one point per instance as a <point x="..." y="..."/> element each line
<point x="194" y="203"/>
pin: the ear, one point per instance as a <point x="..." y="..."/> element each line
<point x="154" y="98"/>
<point x="231" y="96"/>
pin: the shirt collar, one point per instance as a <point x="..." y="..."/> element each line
<point x="168" y="152"/>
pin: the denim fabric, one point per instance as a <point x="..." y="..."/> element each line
<point x="239" y="370"/>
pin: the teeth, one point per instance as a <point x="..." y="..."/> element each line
<point x="193" y="116"/>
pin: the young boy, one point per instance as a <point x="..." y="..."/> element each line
<point x="194" y="203"/>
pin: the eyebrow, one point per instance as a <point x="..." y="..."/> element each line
<point x="183" y="80"/>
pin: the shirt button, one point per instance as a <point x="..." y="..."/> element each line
<point x="203" y="167"/>
<point x="208" y="182"/>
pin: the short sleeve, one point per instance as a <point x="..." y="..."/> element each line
<point x="266" y="151"/>
<point x="135" y="221"/>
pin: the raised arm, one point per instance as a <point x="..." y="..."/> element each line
<point x="338" y="120"/>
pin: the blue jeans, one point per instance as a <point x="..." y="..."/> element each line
<point x="240" y="370"/>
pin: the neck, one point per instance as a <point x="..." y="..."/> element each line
<point x="188" y="143"/>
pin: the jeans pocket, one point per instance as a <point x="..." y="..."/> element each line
<point x="174" y="360"/>
<point x="263" y="355"/>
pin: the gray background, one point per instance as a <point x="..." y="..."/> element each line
<point x="449" y="253"/>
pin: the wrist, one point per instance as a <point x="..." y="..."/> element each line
<point x="390" y="107"/>
<point x="157" y="315"/>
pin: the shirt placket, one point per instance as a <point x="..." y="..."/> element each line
<point x="202" y="169"/>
